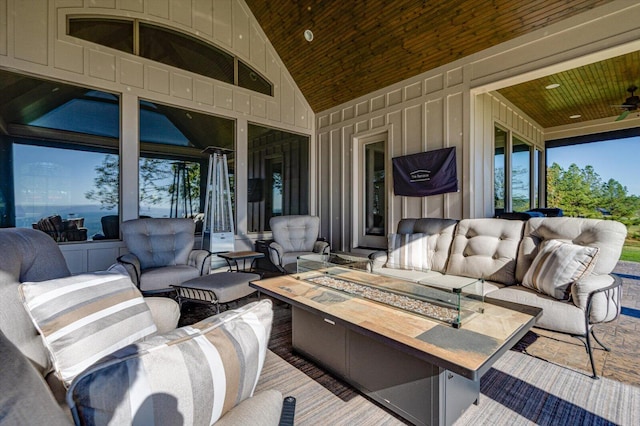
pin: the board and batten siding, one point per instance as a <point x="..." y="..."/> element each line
<point x="33" y="41"/>
<point x="455" y="106"/>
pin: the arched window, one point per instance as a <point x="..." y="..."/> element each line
<point x="169" y="47"/>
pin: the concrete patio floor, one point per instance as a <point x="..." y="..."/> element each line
<point x="622" y="336"/>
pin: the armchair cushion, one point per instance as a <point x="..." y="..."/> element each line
<point x="295" y="233"/>
<point x="159" y="242"/>
<point x="161" y="253"/>
<point x="158" y="279"/>
<point x="192" y="375"/>
<point x="85" y="317"/>
<point x="558" y="265"/>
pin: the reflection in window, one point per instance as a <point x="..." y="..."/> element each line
<point x="117" y="34"/>
<point x="79" y="186"/>
<point x="181" y="51"/>
<point x="374" y="192"/>
<point x="172" y="167"/>
<point x="61" y="157"/>
<point x="278" y="176"/>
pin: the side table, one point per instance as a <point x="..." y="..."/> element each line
<point x="233" y="258"/>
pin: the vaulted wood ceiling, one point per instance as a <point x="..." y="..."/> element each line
<point x="362" y="46"/>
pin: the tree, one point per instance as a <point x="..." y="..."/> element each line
<point x="156" y="182"/>
<point x="581" y="192"/>
<point x="106" y="183"/>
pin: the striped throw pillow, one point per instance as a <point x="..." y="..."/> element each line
<point x="408" y="251"/>
<point x="192" y="375"/>
<point x="557" y="265"/>
<point x="83" y="318"/>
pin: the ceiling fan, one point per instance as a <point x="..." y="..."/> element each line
<point x="630" y="104"/>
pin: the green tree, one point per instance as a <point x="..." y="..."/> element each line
<point x="554" y="196"/>
<point x="156" y="182"/>
<point x="106" y="183"/>
<point x="581" y="192"/>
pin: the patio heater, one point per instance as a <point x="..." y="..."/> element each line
<point x="218" y="232"/>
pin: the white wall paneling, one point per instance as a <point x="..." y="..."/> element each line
<point x="33" y="40"/>
<point x="439" y="108"/>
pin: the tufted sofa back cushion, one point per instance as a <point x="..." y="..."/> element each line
<point x="26" y="255"/>
<point x="439" y="234"/>
<point x="295" y="232"/>
<point x="486" y="248"/>
<point x="607" y="235"/>
<point x="159" y="242"/>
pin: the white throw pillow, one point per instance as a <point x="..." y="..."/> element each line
<point x="83" y="318"/>
<point x="557" y="265"/>
<point x="192" y="375"/>
<point x="408" y="251"/>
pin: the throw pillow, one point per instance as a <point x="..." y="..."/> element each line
<point x="408" y="251"/>
<point x="85" y="317"/>
<point x="557" y="265"/>
<point x="192" y="375"/>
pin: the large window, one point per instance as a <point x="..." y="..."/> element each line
<point x="171" y="48"/>
<point x="521" y="154"/>
<point x="60" y="159"/>
<point x="172" y="167"/>
<point x="516" y="185"/>
<point x="278" y="176"/>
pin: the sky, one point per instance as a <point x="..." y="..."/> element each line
<point x="615" y="159"/>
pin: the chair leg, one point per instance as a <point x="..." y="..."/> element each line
<point x="590" y="352"/>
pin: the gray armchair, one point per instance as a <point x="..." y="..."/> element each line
<point x="294" y="236"/>
<point x="161" y="253"/>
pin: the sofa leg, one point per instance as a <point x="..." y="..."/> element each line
<point x="593" y="333"/>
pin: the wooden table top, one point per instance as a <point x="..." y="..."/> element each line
<point x="239" y="255"/>
<point x="469" y="350"/>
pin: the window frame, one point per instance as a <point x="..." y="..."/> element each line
<point x="188" y="36"/>
<point x="535" y="169"/>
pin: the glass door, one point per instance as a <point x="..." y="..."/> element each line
<point x="371" y="200"/>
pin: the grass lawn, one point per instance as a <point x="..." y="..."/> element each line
<point x="631" y="248"/>
<point x="630" y="253"/>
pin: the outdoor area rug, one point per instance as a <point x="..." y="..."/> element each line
<point x="518" y="390"/>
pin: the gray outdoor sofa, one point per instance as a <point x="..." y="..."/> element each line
<point x="564" y="263"/>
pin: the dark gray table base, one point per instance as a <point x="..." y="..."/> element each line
<point x="419" y="391"/>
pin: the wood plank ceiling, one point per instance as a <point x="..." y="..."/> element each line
<point x="362" y="46"/>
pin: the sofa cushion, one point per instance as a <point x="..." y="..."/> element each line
<point x="439" y="234"/>
<point x="408" y="251"/>
<point x="192" y="375"/>
<point x="557" y="315"/>
<point x="557" y="265"/>
<point x="607" y="235"/>
<point x="85" y="317"/>
<point x="486" y="248"/>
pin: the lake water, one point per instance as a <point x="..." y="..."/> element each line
<point x="25" y="216"/>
